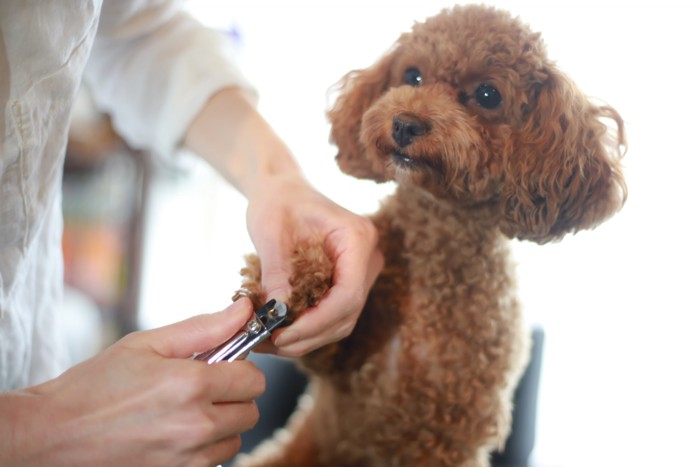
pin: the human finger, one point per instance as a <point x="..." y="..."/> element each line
<point x="235" y="381"/>
<point x="275" y="268"/>
<point x="197" y="334"/>
<point x="220" y="451"/>
<point x="232" y="418"/>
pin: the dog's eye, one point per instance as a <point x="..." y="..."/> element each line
<point x="412" y="77"/>
<point x="487" y="96"/>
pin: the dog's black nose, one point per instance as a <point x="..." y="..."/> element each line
<point x="405" y="127"/>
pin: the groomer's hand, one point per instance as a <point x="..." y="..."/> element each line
<point x="140" y="402"/>
<point x="236" y="140"/>
<point x="287" y="209"/>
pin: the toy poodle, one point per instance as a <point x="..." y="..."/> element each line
<point x="486" y="141"/>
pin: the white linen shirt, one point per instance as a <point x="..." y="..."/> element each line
<point x="148" y="64"/>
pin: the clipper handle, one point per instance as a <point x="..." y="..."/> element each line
<point x="238" y="346"/>
<point x="260" y="327"/>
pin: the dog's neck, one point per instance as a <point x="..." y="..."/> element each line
<point x="434" y="249"/>
<point x="416" y="210"/>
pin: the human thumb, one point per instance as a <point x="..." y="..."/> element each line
<point x="275" y="278"/>
<point x="199" y="333"/>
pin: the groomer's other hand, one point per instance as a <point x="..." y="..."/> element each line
<point x="143" y="402"/>
<point x="286" y="209"/>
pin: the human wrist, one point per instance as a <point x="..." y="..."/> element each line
<point x="24" y="428"/>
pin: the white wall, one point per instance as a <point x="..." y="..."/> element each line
<point x="619" y="305"/>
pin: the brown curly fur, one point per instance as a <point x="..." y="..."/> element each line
<point x="312" y="272"/>
<point x="427" y="376"/>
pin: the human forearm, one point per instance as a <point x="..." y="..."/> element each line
<point x="234" y="138"/>
<point x="14" y="407"/>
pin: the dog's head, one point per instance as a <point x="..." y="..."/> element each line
<point x="468" y="107"/>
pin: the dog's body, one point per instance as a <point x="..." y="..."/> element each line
<point x="487" y="141"/>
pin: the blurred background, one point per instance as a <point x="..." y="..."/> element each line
<point x="147" y="245"/>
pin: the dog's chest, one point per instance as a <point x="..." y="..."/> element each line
<point x="425" y="348"/>
<point x="448" y="278"/>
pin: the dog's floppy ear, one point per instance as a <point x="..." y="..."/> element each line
<point x="562" y="170"/>
<point x="357" y="91"/>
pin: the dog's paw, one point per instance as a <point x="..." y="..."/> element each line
<point x="251" y="285"/>
<point x="310" y="280"/>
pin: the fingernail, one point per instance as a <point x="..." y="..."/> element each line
<point x="286" y="338"/>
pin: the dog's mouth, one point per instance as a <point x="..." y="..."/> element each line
<point x="409" y="162"/>
<point x="402" y="160"/>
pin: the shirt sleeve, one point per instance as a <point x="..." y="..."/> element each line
<point x="153" y="67"/>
